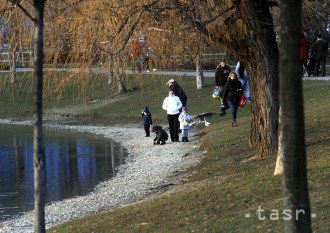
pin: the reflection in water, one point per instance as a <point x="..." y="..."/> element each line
<point x="75" y="163"/>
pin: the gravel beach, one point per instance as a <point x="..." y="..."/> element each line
<point x="148" y="168"/>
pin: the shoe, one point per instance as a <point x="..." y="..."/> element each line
<point x="154" y="70"/>
<point x="177" y="140"/>
<point x="148" y="71"/>
<point x="147" y="136"/>
<point x="233" y="124"/>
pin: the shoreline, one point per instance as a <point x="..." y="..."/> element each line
<point x="148" y="168"/>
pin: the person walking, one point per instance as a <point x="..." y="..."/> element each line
<point x="178" y="91"/>
<point x="184" y="119"/>
<point x="242" y="75"/>
<point x="232" y="93"/>
<point x="147" y="120"/>
<point x="221" y="75"/>
<point x="304" y="49"/>
<point x="172" y="105"/>
<point x="320" y="48"/>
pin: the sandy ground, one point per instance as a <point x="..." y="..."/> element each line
<point x="150" y="169"/>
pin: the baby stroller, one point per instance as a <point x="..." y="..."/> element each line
<point x="310" y="69"/>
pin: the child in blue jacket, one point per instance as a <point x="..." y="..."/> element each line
<point x="184" y="119"/>
<point x="147" y="120"/>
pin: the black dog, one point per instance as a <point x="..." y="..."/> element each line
<point x="161" y="135"/>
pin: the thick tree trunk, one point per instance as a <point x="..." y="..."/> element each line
<point x="262" y="57"/>
<point x="296" y="197"/>
<point x="38" y="155"/>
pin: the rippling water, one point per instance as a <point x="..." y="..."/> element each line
<point x="75" y="163"/>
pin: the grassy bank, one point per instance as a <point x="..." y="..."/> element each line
<point x="221" y="190"/>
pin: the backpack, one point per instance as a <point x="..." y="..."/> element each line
<point x="216" y="94"/>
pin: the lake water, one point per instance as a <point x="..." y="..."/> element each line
<point x="75" y="163"/>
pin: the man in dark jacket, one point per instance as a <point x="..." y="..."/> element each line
<point x="178" y="91"/>
<point x="320" y="48"/>
<point x="221" y="76"/>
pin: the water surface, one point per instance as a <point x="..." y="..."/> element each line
<point x="75" y="163"/>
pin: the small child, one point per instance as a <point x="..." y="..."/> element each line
<point x="161" y="135"/>
<point x="147" y="120"/>
<point x="184" y="119"/>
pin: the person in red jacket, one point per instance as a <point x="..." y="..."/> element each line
<point x="304" y="48"/>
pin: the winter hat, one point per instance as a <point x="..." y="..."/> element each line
<point x="171" y="81"/>
<point x="146" y="110"/>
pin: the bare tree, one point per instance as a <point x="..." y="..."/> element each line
<point x="296" y="198"/>
<point x="38" y="152"/>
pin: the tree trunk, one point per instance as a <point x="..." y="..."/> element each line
<point x="38" y="154"/>
<point x="296" y="197"/>
<point x="13" y="77"/>
<point x="118" y="74"/>
<point x="111" y="74"/>
<point x="262" y="60"/>
<point x="199" y="72"/>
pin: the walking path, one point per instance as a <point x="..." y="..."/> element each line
<point x="158" y="72"/>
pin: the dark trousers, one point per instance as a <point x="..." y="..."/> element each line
<point x="318" y="63"/>
<point x="147" y="129"/>
<point x="233" y="107"/>
<point x="173" y="122"/>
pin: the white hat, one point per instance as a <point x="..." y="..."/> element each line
<point x="171" y="81"/>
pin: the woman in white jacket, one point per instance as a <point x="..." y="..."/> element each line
<point x="172" y="104"/>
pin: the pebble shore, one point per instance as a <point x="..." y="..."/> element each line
<point x="147" y="168"/>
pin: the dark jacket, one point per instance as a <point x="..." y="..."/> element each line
<point x="178" y="91"/>
<point x="146" y="116"/>
<point x="221" y="75"/>
<point x="320" y="48"/>
<point x="161" y="135"/>
<point x="233" y="91"/>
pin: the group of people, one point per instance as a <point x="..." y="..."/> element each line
<point x="231" y="86"/>
<point x="318" y="52"/>
<point x="175" y="105"/>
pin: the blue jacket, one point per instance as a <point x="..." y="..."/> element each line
<point x="146" y="117"/>
<point x="182" y="117"/>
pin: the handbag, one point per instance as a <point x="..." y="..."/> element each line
<point x="185" y="123"/>
<point x="242" y="101"/>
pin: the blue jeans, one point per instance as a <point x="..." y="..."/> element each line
<point x="233" y="108"/>
<point x="185" y="133"/>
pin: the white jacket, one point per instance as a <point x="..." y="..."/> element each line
<point x="172" y="104"/>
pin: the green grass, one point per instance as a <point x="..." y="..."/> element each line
<point x="221" y="189"/>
